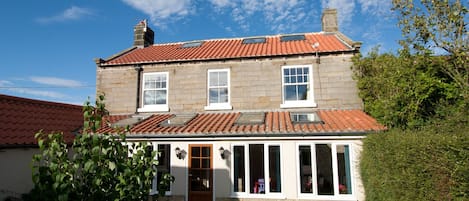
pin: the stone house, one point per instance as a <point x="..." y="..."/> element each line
<point x="255" y="118"/>
<point x="20" y="120"/>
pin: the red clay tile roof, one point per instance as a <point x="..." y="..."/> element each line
<point x="333" y="121"/>
<point x="22" y="118"/>
<point x="232" y="48"/>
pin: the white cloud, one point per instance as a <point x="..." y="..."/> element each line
<point x="36" y="92"/>
<point x="280" y="15"/>
<point x="5" y="83"/>
<point x="162" y="10"/>
<point x="375" y="7"/>
<point x="56" y="81"/>
<point x="221" y="3"/>
<point x="73" y="13"/>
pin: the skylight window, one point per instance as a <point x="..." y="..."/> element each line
<point x="303" y="117"/>
<point x="254" y="40"/>
<point x="178" y="120"/>
<point x="292" y="38"/>
<point x="251" y="118"/>
<point x="192" y="44"/>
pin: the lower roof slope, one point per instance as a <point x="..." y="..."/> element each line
<point x="22" y="118"/>
<point x="333" y="122"/>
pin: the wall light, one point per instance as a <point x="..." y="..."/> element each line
<point x="180" y="153"/>
<point x="222" y="152"/>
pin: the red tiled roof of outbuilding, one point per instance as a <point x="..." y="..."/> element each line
<point x="233" y="48"/>
<point x="22" y="118"/>
<point x="275" y="122"/>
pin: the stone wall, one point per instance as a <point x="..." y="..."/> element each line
<point x="256" y="84"/>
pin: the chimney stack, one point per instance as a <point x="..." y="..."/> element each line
<point x="143" y="35"/>
<point x="329" y="20"/>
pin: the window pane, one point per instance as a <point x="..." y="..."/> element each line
<point x="302" y="92"/>
<point x="205" y="163"/>
<point x="239" y="178"/>
<point x="218" y="95"/>
<point x="223" y="79"/>
<point x="286" y="71"/>
<point x="256" y="168"/>
<point x="290" y="93"/>
<point x="195" y="163"/>
<point x="152" y="97"/>
<point x="149" y="97"/>
<point x="305" y="169"/>
<point x="213" y="79"/>
<point x="292" y="71"/>
<point x="160" y="97"/>
<point x="195" y="151"/>
<point x="274" y="169"/>
<point x="205" y="151"/>
<point x="324" y="169"/>
<point x="293" y="79"/>
<point x="223" y="95"/>
<point x="343" y="163"/>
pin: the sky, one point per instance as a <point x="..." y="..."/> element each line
<point x="48" y="47"/>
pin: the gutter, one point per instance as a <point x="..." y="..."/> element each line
<point x="224" y="137"/>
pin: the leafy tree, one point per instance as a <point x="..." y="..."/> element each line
<point x="402" y="90"/>
<point x="98" y="167"/>
<point x="430" y="25"/>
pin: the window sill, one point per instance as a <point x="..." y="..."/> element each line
<point x="299" y="104"/>
<point x="253" y="195"/>
<point x="326" y="197"/>
<point x="219" y="107"/>
<point x="154" y="108"/>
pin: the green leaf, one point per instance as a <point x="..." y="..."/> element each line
<point x="88" y="165"/>
<point x="112" y="165"/>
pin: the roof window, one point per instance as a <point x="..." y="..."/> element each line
<point x="305" y="117"/>
<point x="251" y="118"/>
<point x="191" y="44"/>
<point x="292" y="37"/>
<point x="254" y="40"/>
<point x="178" y="120"/>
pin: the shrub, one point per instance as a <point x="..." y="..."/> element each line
<point x="428" y="164"/>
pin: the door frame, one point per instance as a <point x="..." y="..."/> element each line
<point x="211" y="169"/>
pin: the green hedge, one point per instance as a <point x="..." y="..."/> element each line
<point x="417" y="165"/>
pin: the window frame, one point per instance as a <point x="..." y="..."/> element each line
<point x="154" y="107"/>
<point x="247" y="173"/>
<point x="335" y="172"/>
<point x="219" y="106"/>
<point x="310" y="101"/>
<point x="154" y="183"/>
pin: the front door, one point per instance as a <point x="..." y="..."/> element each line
<point x="200" y="173"/>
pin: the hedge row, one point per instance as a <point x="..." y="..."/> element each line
<point x="416" y="165"/>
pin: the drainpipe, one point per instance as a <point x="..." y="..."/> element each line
<point x="139" y="69"/>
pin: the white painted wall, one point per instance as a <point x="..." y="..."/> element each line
<point x="289" y="165"/>
<point x="15" y="171"/>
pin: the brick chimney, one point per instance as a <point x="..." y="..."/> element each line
<point x="329" y="20"/>
<point x="143" y="35"/>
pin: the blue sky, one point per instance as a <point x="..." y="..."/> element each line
<point x="48" y="47"/>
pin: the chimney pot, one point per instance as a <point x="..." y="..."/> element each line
<point x="329" y="20"/>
